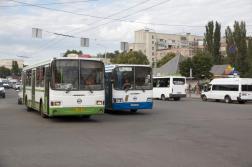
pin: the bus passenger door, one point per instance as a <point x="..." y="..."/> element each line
<point x="47" y="81"/>
<point x="33" y="88"/>
<point x="108" y="91"/>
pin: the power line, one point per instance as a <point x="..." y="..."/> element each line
<point x="113" y="14"/>
<point x="95" y="27"/>
<point x="46" y="4"/>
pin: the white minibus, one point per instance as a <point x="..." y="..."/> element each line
<point x="229" y="90"/>
<point x="167" y="87"/>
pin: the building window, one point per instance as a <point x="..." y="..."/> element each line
<point x="152" y="48"/>
<point x="152" y="42"/>
<point x="153" y="54"/>
<point x="152" y="36"/>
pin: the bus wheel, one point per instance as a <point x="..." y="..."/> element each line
<point x="43" y="115"/>
<point x="227" y="99"/>
<point x="19" y="101"/>
<point x="28" y="109"/>
<point x="204" y="98"/>
<point x="163" y="97"/>
<point x="176" y="98"/>
<point x="133" y="110"/>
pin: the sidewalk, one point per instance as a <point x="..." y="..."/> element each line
<point x="193" y="95"/>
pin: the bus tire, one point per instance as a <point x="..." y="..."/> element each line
<point x="176" y="98"/>
<point x="204" y="98"/>
<point x="163" y="97"/>
<point x="28" y="109"/>
<point x="43" y="115"/>
<point x="19" y="101"/>
<point x="227" y="99"/>
<point x="133" y="110"/>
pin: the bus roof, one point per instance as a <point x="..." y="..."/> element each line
<point x="110" y="67"/>
<point x="58" y="58"/>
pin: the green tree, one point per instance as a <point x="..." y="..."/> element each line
<point x="231" y="47"/>
<point x="201" y="65"/>
<point x="217" y="58"/>
<point x="132" y="57"/>
<point x="165" y="59"/>
<point x="249" y="58"/>
<point x="15" y="69"/>
<point x="72" y="52"/>
<point x="109" y="55"/>
<point x="184" y="67"/>
<point x="237" y="47"/>
<point x="4" y="72"/>
<point x="212" y="41"/>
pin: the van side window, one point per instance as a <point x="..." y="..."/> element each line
<point x="247" y="88"/>
<point x="225" y="87"/>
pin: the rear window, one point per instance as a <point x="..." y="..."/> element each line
<point x="247" y="88"/>
<point x="178" y="81"/>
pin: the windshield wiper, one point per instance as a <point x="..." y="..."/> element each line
<point x="89" y="88"/>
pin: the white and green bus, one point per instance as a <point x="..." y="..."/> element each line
<point x="64" y="87"/>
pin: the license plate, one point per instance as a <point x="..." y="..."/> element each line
<point x="134" y="105"/>
<point x="79" y="109"/>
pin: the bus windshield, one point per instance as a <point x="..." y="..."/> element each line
<point x="138" y="78"/>
<point x="77" y="75"/>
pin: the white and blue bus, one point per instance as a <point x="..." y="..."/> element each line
<point x="128" y="87"/>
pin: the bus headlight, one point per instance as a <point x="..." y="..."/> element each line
<point x="118" y="100"/>
<point x="99" y="102"/>
<point x="149" y="99"/>
<point x="55" y="103"/>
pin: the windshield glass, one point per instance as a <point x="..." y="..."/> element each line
<point x="91" y="75"/>
<point x="65" y="74"/>
<point x="132" y="78"/>
<point x="1" y="84"/>
<point x="178" y="81"/>
<point x="124" y="78"/>
<point x="143" y="77"/>
<point x="77" y="75"/>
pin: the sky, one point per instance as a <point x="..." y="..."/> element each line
<point x="105" y="22"/>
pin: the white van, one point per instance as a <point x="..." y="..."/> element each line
<point x="167" y="87"/>
<point x="229" y="90"/>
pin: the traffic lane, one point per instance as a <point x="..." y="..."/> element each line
<point x="185" y="133"/>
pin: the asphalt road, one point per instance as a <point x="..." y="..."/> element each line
<point x="187" y="133"/>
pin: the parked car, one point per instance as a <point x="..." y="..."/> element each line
<point x="229" y="90"/>
<point x="17" y="86"/>
<point x="2" y="90"/>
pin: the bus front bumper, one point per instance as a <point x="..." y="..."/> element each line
<point x="75" y="111"/>
<point x="132" y="105"/>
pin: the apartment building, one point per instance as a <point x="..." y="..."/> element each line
<point x="156" y="45"/>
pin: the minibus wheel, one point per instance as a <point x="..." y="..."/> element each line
<point x="204" y="98"/>
<point x="227" y="99"/>
<point x="133" y="110"/>
<point x="163" y="97"/>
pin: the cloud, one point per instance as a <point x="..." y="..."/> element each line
<point x="16" y="23"/>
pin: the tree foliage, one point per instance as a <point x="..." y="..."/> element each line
<point x="212" y="41"/>
<point x="72" y="52"/>
<point x="4" y="72"/>
<point x="165" y="59"/>
<point x="132" y="57"/>
<point x="109" y="55"/>
<point x="201" y="65"/>
<point x="237" y="49"/>
<point x="15" y="70"/>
